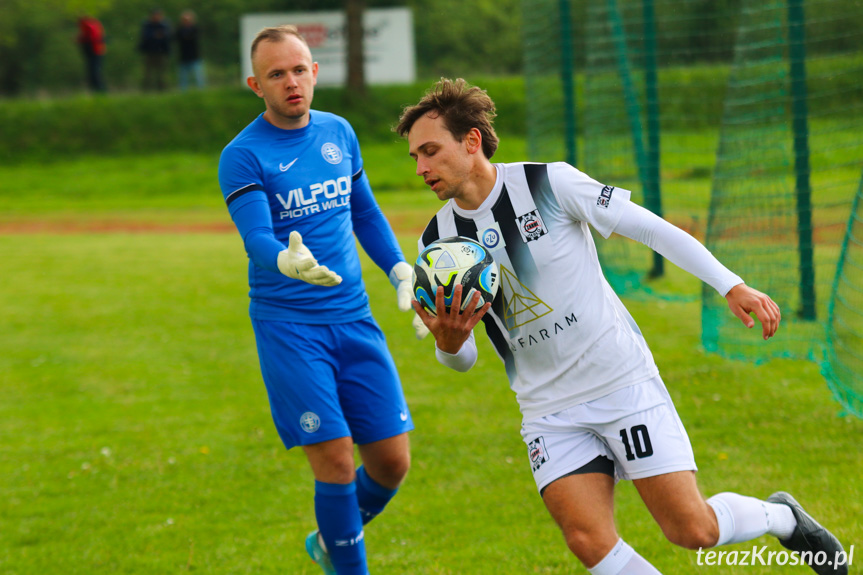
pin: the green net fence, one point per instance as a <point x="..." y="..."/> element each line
<point x="787" y="170"/>
<point x="738" y="121"/>
<point x="843" y="364"/>
<point x="648" y="85"/>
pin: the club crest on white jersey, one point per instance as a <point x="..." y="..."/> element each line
<point x="531" y="227"/>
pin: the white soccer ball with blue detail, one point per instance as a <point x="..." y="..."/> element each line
<point x="449" y="262"/>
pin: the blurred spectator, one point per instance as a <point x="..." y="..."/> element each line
<point x="155" y="44"/>
<point x="91" y="38"/>
<point x="191" y="63"/>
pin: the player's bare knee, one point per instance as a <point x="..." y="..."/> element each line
<point x="401" y="468"/>
<point x="341" y="471"/>
<point x="336" y="467"/>
<point x="392" y="470"/>
<point x="589" y="546"/>
<point x="693" y="535"/>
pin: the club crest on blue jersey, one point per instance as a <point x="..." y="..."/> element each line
<point x="531" y="227"/>
<point x="310" y="422"/>
<point x="331" y="153"/>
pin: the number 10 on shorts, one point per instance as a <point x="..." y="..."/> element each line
<point x="640" y="442"/>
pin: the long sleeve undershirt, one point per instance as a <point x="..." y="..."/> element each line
<point x="641" y="225"/>
<point x="675" y="245"/>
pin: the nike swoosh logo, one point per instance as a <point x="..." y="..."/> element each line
<point x="285" y="168"/>
<point x="403" y="416"/>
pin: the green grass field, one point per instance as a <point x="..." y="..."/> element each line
<point x="135" y="434"/>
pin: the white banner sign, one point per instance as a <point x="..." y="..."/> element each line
<point x="388" y="43"/>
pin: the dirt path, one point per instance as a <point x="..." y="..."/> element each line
<point x="62" y="227"/>
<point x="70" y="226"/>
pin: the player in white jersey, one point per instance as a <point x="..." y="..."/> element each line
<point x="594" y="407"/>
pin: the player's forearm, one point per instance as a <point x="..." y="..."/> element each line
<point x="264" y="249"/>
<point x="372" y="228"/>
<point x="252" y="218"/>
<point x="379" y="242"/>
<point x="676" y="246"/>
<point x="462" y="360"/>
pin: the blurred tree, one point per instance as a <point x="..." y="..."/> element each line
<point x="356" y="80"/>
<point x="453" y="37"/>
<point x="457" y="38"/>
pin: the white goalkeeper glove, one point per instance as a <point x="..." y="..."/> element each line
<point x="420" y="327"/>
<point x="297" y="262"/>
<point x="400" y="276"/>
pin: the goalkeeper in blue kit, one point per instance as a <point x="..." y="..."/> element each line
<point x="294" y="184"/>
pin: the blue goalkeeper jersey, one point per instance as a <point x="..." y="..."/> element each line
<point x="311" y="180"/>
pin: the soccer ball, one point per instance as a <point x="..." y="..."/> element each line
<point x="451" y="261"/>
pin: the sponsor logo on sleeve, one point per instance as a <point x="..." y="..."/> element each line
<point x="604" y="197"/>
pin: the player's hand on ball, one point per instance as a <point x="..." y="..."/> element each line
<point x="400" y="276"/>
<point x="449" y="327"/>
<point x="743" y="300"/>
<point x="297" y="262"/>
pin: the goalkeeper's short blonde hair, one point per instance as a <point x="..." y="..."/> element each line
<point x="276" y="34"/>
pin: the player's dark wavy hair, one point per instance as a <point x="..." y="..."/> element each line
<point x="462" y="107"/>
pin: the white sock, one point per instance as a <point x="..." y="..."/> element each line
<point x="780" y="520"/>
<point x="745" y="518"/>
<point x="623" y="560"/>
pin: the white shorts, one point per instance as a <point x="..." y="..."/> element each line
<point x="636" y="427"/>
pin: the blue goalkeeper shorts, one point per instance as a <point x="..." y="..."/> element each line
<point x="331" y="381"/>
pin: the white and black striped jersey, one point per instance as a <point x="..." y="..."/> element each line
<point x="563" y="334"/>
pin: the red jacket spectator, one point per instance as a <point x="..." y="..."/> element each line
<point x="91" y="36"/>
